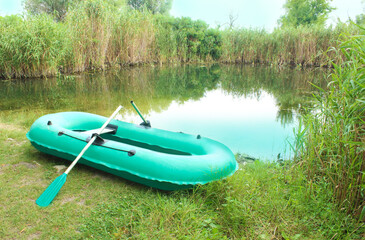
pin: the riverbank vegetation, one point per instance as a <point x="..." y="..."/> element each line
<point x="97" y="34"/>
<point x="331" y="143"/>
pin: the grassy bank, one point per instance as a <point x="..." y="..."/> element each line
<point x="95" y="35"/>
<point x="260" y="201"/>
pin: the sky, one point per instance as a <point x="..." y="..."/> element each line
<point x="253" y="13"/>
<point x="249" y="13"/>
<point x="8" y="7"/>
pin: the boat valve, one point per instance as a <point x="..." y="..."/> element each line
<point x="131" y="153"/>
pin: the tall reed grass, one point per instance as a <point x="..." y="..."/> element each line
<point x="88" y="35"/>
<point x="333" y="152"/>
<point x="303" y="46"/>
<point x="30" y="47"/>
<point x="135" y="33"/>
<point x="95" y="35"/>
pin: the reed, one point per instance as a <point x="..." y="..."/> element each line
<point x="304" y="46"/>
<point x="334" y="154"/>
<point x="95" y="35"/>
<point x="166" y="40"/>
<point x="133" y="40"/>
<point x="89" y="32"/>
<point x="30" y="47"/>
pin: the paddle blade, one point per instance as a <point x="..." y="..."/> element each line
<point x="50" y="193"/>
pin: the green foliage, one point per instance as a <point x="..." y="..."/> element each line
<point x="360" y="19"/>
<point x="305" y="12"/>
<point x="166" y="39"/>
<point x="31" y="47"/>
<point x="303" y="45"/>
<point x="154" y="6"/>
<point x="132" y="38"/>
<point x="88" y="37"/>
<point x="336" y="156"/>
<point x="57" y="8"/>
<point x="60" y="8"/>
<point x="194" y="39"/>
<point x="212" y="44"/>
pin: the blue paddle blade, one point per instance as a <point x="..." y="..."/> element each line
<point x="50" y="193"/>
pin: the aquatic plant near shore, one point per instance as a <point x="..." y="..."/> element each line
<point x="334" y="153"/>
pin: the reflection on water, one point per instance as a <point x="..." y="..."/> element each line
<point x="250" y="109"/>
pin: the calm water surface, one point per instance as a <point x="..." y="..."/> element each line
<point x="252" y="110"/>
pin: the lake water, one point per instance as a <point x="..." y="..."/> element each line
<point x="252" y="110"/>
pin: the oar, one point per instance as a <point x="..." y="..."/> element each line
<point x="50" y="193"/>
<point x="145" y="123"/>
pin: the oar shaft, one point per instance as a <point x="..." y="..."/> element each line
<point x="80" y="154"/>
<point x="51" y="192"/>
<point x="139" y="113"/>
<point x="92" y="140"/>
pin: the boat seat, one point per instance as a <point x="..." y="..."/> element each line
<point x="106" y="130"/>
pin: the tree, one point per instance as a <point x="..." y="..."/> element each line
<point x="194" y="38"/>
<point x="57" y="8"/>
<point x="360" y="19"/>
<point x="155" y="6"/>
<point x="305" y="12"/>
<point x="232" y="19"/>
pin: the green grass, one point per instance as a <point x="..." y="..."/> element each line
<point x="260" y="201"/>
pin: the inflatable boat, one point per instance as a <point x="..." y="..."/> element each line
<point x="157" y="158"/>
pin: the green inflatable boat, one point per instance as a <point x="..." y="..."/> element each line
<point x="153" y="157"/>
